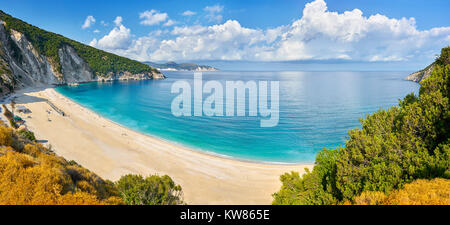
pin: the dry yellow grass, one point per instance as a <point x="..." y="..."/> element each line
<point x="31" y="175"/>
<point x="422" y="192"/>
<point x="419" y="192"/>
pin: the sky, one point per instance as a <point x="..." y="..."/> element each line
<point x="402" y="32"/>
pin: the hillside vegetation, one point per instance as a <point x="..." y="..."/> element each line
<point x="393" y="148"/>
<point x="31" y="174"/>
<point x="419" y="192"/>
<point x="48" y="43"/>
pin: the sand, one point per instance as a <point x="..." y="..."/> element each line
<point x="111" y="151"/>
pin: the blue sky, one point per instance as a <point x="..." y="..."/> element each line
<point x="252" y="30"/>
<point x="66" y="17"/>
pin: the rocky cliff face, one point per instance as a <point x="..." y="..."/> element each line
<point x="73" y="67"/>
<point x="421" y="75"/>
<point x="22" y="66"/>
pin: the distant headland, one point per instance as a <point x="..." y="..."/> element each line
<point x="173" y="66"/>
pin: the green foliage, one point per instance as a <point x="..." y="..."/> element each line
<point x="314" y="188"/>
<point x="444" y="58"/>
<point x="4" y="69"/>
<point x="152" y="190"/>
<point x="29" y="135"/>
<point x="9" y="115"/>
<point x="48" y="44"/>
<point x="392" y="148"/>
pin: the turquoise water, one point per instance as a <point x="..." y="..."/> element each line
<point x="316" y="110"/>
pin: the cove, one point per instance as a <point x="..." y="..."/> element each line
<point x="316" y="110"/>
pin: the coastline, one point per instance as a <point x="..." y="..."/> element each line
<point x="180" y="145"/>
<point x="112" y="150"/>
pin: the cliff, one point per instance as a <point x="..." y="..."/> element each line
<point x="30" y="56"/>
<point x="442" y="60"/>
<point x="421" y="75"/>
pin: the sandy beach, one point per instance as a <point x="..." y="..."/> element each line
<point x="111" y="151"/>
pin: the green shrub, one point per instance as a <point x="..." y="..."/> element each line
<point x="8" y="114"/>
<point x="152" y="190"/>
<point x="29" y="135"/>
<point x="392" y="148"/>
<point x="314" y="188"/>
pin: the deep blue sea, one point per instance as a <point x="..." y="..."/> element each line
<point x="317" y="109"/>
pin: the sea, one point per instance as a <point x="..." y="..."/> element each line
<point x="316" y="110"/>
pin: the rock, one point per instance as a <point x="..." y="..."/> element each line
<point x="74" y="68"/>
<point x="421" y="75"/>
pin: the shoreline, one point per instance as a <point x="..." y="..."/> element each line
<point x="180" y="145"/>
<point x="112" y="150"/>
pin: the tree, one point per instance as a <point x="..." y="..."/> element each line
<point x="314" y="188"/>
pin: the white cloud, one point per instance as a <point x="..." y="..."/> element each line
<point x="118" y="21"/>
<point x="96" y="31"/>
<point x="118" y="38"/>
<point x="152" y="17"/>
<point x="188" y="13"/>
<point x="169" y="23"/>
<point x="156" y="33"/>
<point x="214" y="13"/>
<point x="188" y="31"/>
<point x="319" y="34"/>
<point x="228" y="41"/>
<point x="214" y="9"/>
<point x="93" y="43"/>
<point x="90" y="20"/>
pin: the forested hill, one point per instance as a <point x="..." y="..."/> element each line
<point x="30" y="55"/>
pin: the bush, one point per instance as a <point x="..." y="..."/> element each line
<point x="31" y="174"/>
<point x="25" y="180"/>
<point x="8" y="114"/>
<point x="419" y="192"/>
<point x="314" y="188"/>
<point x="370" y="198"/>
<point x="152" y="190"/>
<point x="29" y="135"/>
<point x="6" y="136"/>
<point x="422" y="192"/>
